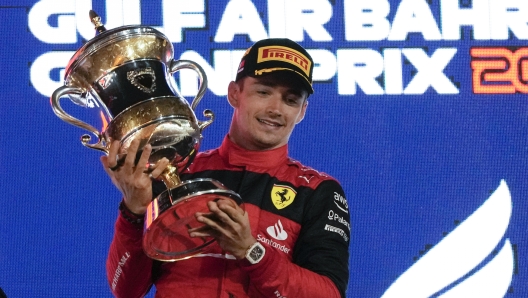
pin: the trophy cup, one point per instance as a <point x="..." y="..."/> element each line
<point x="127" y="72"/>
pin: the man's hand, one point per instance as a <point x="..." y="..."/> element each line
<point x="133" y="181"/>
<point x="228" y="224"/>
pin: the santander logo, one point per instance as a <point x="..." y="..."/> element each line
<point x="471" y="261"/>
<point x="277" y="231"/>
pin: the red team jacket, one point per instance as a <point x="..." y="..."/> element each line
<point x="301" y="217"/>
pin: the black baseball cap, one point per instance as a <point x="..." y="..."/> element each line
<point x="277" y="54"/>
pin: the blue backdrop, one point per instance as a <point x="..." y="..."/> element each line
<point x="419" y="110"/>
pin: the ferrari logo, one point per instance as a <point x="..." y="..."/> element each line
<point x="282" y="196"/>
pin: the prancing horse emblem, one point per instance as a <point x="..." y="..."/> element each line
<point x="143" y="78"/>
<point x="282" y="196"/>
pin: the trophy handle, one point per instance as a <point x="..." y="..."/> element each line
<point x="203" y="124"/>
<point x="176" y="65"/>
<point x="55" y="105"/>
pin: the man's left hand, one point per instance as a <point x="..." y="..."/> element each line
<point x="228" y="223"/>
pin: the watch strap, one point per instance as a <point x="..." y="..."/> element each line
<point x="131" y="217"/>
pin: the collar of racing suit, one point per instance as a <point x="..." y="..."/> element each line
<point x="238" y="156"/>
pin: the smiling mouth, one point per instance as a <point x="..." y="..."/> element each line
<point x="274" y="124"/>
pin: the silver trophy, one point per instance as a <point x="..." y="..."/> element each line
<point x="127" y="72"/>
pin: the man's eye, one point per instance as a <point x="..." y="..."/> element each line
<point x="291" y="101"/>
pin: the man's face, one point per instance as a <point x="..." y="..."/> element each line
<point x="266" y="111"/>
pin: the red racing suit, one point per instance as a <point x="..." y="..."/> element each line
<point x="299" y="215"/>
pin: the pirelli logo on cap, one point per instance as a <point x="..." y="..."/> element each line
<point x="285" y="54"/>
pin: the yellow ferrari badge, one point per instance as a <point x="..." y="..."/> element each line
<point x="282" y="196"/>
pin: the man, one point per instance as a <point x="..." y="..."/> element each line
<point x="295" y="219"/>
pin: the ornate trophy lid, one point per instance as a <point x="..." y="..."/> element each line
<point x="112" y="48"/>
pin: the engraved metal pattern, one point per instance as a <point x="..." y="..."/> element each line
<point x="134" y="76"/>
<point x="114" y="48"/>
<point x="97" y="22"/>
<point x="105" y="81"/>
<point x="148" y="111"/>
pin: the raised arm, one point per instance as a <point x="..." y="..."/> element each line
<point x="129" y="270"/>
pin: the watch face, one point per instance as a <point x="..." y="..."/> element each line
<point x="256" y="253"/>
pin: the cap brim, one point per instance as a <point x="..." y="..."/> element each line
<point x="292" y="74"/>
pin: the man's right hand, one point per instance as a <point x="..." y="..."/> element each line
<point x="133" y="181"/>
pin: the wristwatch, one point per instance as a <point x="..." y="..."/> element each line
<point x="255" y="253"/>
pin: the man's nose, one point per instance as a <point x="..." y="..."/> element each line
<point x="274" y="105"/>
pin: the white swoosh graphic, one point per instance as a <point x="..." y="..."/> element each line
<point x="459" y="252"/>
<point x="492" y="280"/>
<point x="220" y="256"/>
<point x="342" y="209"/>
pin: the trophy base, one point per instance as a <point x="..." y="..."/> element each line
<point x="171" y="215"/>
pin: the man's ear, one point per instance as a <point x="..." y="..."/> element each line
<point x="232" y="94"/>
<point x="303" y="112"/>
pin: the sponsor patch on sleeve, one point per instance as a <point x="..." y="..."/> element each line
<point x="337" y="230"/>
